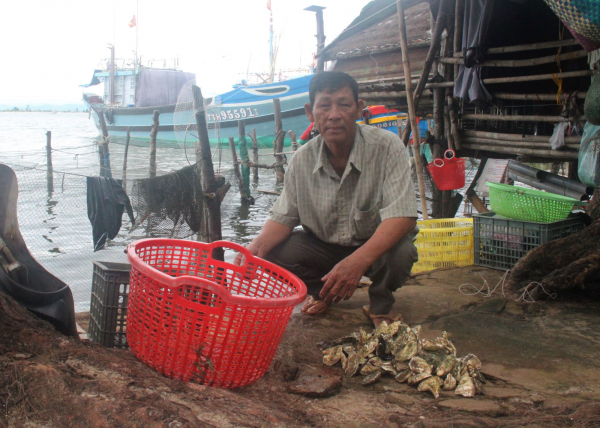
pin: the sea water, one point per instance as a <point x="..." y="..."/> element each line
<point x="55" y="223"/>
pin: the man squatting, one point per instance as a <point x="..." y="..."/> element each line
<point x="351" y="190"/>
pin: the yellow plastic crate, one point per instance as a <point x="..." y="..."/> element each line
<point x="446" y="242"/>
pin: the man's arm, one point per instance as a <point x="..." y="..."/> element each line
<point x="271" y="235"/>
<point x="343" y="279"/>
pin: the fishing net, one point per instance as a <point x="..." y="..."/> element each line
<point x="170" y="206"/>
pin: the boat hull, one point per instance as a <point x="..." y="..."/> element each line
<point x="222" y="117"/>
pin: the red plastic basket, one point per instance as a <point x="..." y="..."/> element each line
<point x="192" y="317"/>
<point x="448" y="173"/>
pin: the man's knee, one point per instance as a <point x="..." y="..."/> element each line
<point x="400" y="258"/>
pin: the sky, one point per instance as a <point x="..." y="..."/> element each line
<point x="48" y="48"/>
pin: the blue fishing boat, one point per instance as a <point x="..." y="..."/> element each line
<point x="139" y="92"/>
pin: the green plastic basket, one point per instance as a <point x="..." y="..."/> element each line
<point x="530" y="205"/>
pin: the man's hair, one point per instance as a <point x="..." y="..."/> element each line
<point x="331" y="81"/>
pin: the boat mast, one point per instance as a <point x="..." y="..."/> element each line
<point x="112" y="74"/>
<point x="272" y="60"/>
<point x="135" y="63"/>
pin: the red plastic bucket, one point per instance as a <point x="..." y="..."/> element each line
<point x="192" y="317"/>
<point x="448" y="173"/>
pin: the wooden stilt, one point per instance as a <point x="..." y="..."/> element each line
<point x="255" y="154"/>
<point x="214" y="191"/>
<point x="246" y="196"/>
<point x="127" y="138"/>
<point x="278" y="144"/>
<point x="49" y="171"/>
<point x="153" y="133"/>
<point x="411" y="110"/>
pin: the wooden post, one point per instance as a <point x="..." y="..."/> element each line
<point x="125" y="159"/>
<point x="153" y="133"/>
<point x="294" y="140"/>
<point x="214" y="191"/>
<point x="236" y="167"/>
<point x="411" y="110"/>
<point x="459" y="12"/>
<point x="278" y="143"/>
<point x="320" y="41"/>
<point x="246" y="197"/>
<point x="433" y="51"/>
<point x="103" y="152"/>
<point x="255" y="154"/>
<point x="438" y="147"/>
<point x="49" y="170"/>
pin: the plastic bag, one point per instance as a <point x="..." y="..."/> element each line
<point x="557" y="141"/>
<point x="589" y="156"/>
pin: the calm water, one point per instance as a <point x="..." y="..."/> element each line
<point x="55" y="225"/>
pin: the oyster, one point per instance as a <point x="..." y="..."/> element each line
<point x="417" y="378"/>
<point x="410" y="350"/>
<point x="388" y="367"/>
<point x="369" y="368"/>
<point x="478" y="386"/>
<point x="403" y="376"/>
<point x="363" y="337"/>
<point x="432" y="384"/>
<point x="348" y="349"/>
<point x="372" y="378"/>
<point x="400" y="366"/>
<point x="351" y="365"/>
<point x="446" y="366"/>
<point x="466" y="387"/>
<point x="376" y="361"/>
<point x="419" y="365"/>
<point x="416" y="330"/>
<point x="332" y="355"/>
<point x="368" y="348"/>
<point x="352" y="338"/>
<point x="449" y="383"/>
<point x="434" y="345"/>
<point x="344" y="361"/>
<point x="434" y="359"/>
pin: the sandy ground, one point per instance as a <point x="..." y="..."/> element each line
<point x="540" y="359"/>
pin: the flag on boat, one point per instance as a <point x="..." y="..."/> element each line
<point x="132" y="22"/>
<point x="269" y="4"/>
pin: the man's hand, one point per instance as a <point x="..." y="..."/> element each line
<point x="240" y="259"/>
<point x="343" y="279"/>
<point x="271" y="235"/>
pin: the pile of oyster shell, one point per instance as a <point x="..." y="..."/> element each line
<point x="396" y="350"/>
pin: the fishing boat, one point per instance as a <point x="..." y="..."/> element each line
<point x="139" y="92"/>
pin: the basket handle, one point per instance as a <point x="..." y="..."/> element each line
<point x="452" y="154"/>
<point x="232" y="246"/>
<point x="437" y="160"/>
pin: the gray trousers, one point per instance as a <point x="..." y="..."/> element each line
<point x="309" y="258"/>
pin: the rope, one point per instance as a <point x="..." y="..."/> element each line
<point x="526" y="296"/>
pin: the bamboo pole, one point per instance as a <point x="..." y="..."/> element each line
<point x="278" y="143"/>
<point x="125" y="159"/>
<point x="533" y="97"/>
<point x="529" y="47"/>
<point x="49" y="169"/>
<point x="431" y="54"/>
<point x="516" y="137"/>
<point x="520" y="118"/>
<point x="153" y="133"/>
<point x="519" y="62"/>
<point x="535" y="77"/>
<point x="255" y="153"/>
<point x="380" y="95"/>
<point x="512" y="143"/>
<point x="519" y="151"/>
<point x="214" y="191"/>
<point x="411" y="110"/>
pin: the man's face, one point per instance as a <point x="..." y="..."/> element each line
<point x="335" y="114"/>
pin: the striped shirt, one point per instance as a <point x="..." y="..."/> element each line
<point x="376" y="185"/>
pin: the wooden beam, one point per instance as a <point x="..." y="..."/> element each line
<point x="519" y="62"/>
<point x="516" y="137"/>
<point x="512" y="143"/>
<point x="532" y="97"/>
<point x="530" y="47"/>
<point x="516" y="151"/>
<point x="521" y="118"/>
<point x="411" y="110"/>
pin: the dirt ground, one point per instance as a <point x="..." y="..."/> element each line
<point x="540" y="359"/>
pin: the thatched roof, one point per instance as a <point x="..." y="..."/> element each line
<point x="376" y="30"/>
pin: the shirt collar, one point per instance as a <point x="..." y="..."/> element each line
<point x="356" y="153"/>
